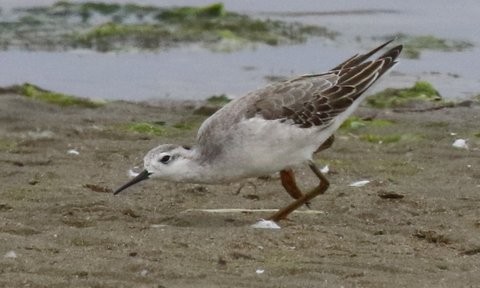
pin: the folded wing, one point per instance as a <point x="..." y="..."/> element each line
<point x="315" y="100"/>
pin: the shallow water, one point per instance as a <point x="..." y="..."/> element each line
<point x="196" y="73"/>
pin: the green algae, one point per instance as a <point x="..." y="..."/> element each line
<point x="161" y="128"/>
<point x="355" y="123"/>
<point x="375" y="130"/>
<point x="64" y="100"/>
<point x="112" y="11"/>
<point x="146" y="128"/>
<point x="214" y="10"/>
<point x="215" y="24"/>
<point x="99" y="7"/>
<point x="112" y="27"/>
<point x="218" y="100"/>
<point x="34" y="92"/>
<point x="411" y="53"/>
<point x="374" y="138"/>
<point x="433" y="43"/>
<point x="114" y="36"/>
<point x="91" y="8"/>
<point x="414" y="45"/>
<point x="393" y="97"/>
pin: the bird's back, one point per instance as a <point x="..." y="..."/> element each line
<point x="314" y="103"/>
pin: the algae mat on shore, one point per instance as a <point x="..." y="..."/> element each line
<point x="113" y="27"/>
<point x="421" y="91"/>
<point x="415" y="44"/>
<point x="60" y="99"/>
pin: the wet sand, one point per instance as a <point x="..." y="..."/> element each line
<point x="416" y="224"/>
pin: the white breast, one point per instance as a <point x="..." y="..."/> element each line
<point x="258" y="147"/>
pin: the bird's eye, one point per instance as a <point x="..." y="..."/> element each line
<point x="165" y="159"/>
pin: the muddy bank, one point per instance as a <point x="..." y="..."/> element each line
<point x="416" y="223"/>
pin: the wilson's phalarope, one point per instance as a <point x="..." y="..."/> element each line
<point x="272" y="129"/>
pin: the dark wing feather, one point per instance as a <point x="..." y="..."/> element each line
<point x="357" y="59"/>
<point x="315" y="100"/>
<point x="289" y="96"/>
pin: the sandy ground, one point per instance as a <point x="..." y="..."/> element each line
<point x="60" y="226"/>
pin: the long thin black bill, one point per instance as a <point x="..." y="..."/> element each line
<point x="140" y="177"/>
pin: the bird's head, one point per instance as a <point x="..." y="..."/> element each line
<point x="166" y="162"/>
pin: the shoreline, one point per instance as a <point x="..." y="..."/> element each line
<point x="65" y="228"/>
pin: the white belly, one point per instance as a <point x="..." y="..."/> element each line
<point x="258" y="147"/>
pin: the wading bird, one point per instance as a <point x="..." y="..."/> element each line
<point x="272" y="129"/>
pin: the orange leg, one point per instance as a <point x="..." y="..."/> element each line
<point x="320" y="189"/>
<point x="288" y="181"/>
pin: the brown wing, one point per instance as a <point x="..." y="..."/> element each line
<point x="315" y="100"/>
